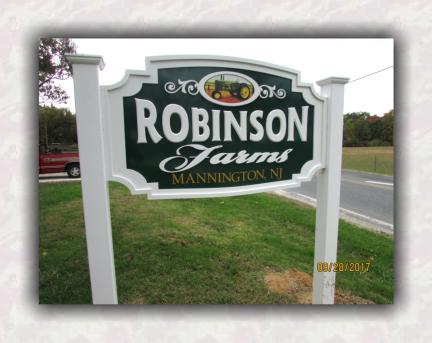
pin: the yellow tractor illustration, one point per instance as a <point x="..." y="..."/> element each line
<point x="226" y="88"/>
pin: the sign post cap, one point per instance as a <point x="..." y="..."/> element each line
<point x="334" y="80"/>
<point x="86" y="59"/>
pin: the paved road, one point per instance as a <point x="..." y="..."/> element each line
<point x="369" y="195"/>
<point x="56" y="177"/>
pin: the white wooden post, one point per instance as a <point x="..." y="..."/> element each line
<point x="328" y="192"/>
<point x="95" y="195"/>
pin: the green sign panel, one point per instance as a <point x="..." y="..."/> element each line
<point x="218" y="127"/>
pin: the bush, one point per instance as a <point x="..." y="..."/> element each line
<point x="376" y="142"/>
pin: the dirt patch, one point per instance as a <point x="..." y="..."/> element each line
<point x="298" y="285"/>
<point x="134" y="301"/>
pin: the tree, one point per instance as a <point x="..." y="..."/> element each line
<point x="53" y="66"/>
<point x="349" y="137"/>
<point x="361" y="129"/>
<point x="387" y="127"/>
<point x="356" y="129"/>
<point x="56" y="125"/>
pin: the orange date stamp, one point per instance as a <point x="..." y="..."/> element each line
<point x="351" y="267"/>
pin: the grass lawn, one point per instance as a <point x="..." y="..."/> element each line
<point x="198" y="251"/>
<point x="369" y="159"/>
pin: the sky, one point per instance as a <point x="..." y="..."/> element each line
<point x="315" y="58"/>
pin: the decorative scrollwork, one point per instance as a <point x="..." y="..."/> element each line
<point x="270" y="91"/>
<point x="188" y="86"/>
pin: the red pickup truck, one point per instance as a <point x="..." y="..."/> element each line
<point x="54" y="160"/>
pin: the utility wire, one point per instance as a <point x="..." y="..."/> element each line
<point x="376" y="72"/>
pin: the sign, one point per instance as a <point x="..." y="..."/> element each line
<point x="195" y="126"/>
<point x="198" y="127"/>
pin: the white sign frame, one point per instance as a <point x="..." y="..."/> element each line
<point x="100" y="162"/>
<point x="114" y="138"/>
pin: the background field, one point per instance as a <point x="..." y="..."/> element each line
<point x="199" y="251"/>
<point x="369" y="159"/>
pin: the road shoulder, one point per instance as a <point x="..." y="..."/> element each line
<point x="358" y="219"/>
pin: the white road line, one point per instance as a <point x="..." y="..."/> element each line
<point x="377" y="221"/>
<point x="380" y="222"/>
<point x="380" y="183"/>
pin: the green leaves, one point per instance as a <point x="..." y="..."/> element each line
<point x="56" y="125"/>
<point x="362" y="129"/>
<point x="53" y="66"/>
